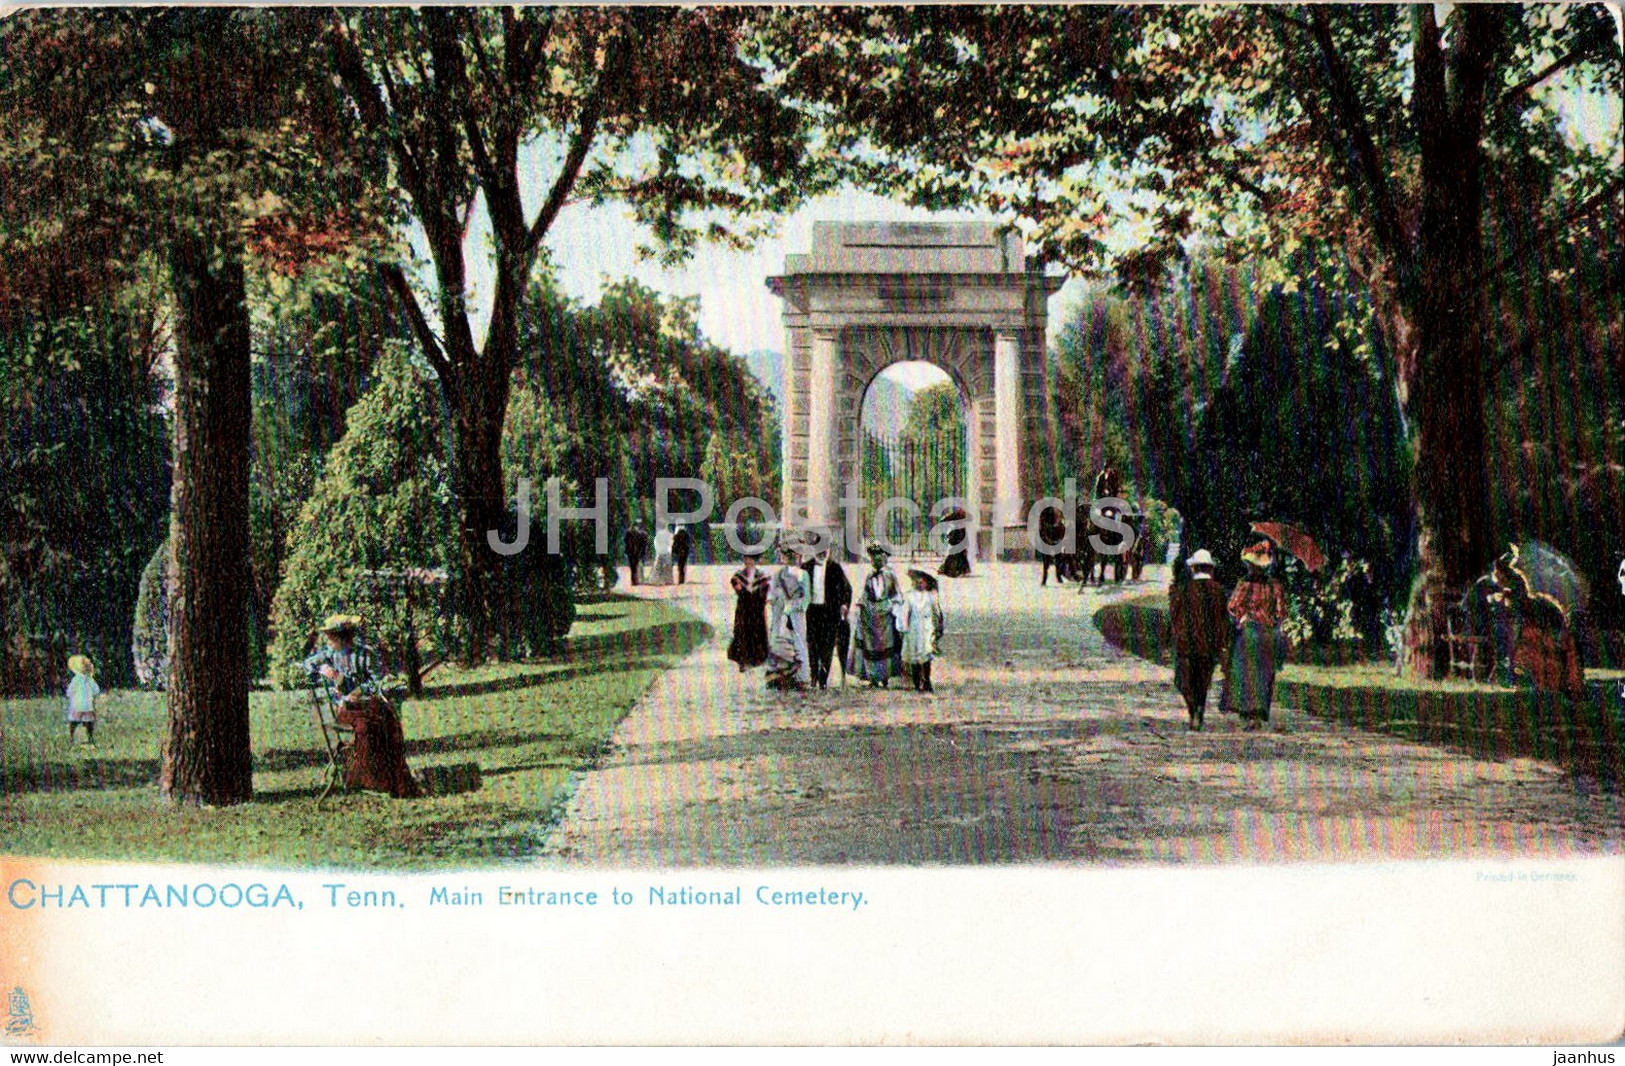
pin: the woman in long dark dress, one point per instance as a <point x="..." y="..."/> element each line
<point x="1258" y="607"/>
<point x="876" y="645"/>
<point x="749" y="645"/>
<point x="1545" y="646"/>
<point x="957" y="564"/>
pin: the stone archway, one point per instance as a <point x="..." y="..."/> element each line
<point x="961" y="296"/>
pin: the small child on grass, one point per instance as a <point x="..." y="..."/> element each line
<point x="82" y="693"/>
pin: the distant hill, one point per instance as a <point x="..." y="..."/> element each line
<point x="884" y="414"/>
<point x="768" y="366"/>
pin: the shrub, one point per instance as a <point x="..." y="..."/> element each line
<point x="383" y="505"/>
<point x="149" y="631"/>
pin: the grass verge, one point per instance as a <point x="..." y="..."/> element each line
<point x="529" y="726"/>
<point x="1584" y="735"/>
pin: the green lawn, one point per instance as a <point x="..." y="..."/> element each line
<point x="1583" y="734"/>
<point x="528" y="726"/>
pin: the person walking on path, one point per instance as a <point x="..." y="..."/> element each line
<point x="829" y="598"/>
<point x="920" y="619"/>
<point x="787" y="660"/>
<point x="663" y="545"/>
<point x="1199" y="620"/>
<point x="876" y="652"/>
<point x="1052" y="532"/>
<point x="1258" y="607"/>
<point x="82" y="693"/>
<point x="957" y="562"/>
<point x="1136" y="554"/>
<point x="682" y="543"/>
<point x="637" y="546"/>
<point x="749" y="645"/>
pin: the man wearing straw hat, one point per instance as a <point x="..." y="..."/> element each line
<point x="1199" y="621"/>
<point x="82" y="693"/>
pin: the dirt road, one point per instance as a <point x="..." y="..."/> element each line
<point x="1042" y="744"/>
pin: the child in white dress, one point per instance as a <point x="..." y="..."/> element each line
<point x="920" y="620"/>
<point x="82" y="693"/>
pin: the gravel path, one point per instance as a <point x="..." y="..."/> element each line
<point x="1042" y="744"/>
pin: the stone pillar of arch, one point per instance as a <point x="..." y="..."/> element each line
<point x="959" y="295"/>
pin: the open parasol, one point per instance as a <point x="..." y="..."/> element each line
<point x="1552" y="574"/>
<point x="1293" y="540"/>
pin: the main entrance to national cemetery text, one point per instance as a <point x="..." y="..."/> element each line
<point x="958" y="295"/>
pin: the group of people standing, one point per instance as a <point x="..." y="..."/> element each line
<point x="796" y="621"/>
<point x="672" y="545"/>
<point x="1206" y="624"/>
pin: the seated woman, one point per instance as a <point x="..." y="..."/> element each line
<point x="1545" y="647"/>
<point x="342" y="660"/>
<point x="378" y="759"/>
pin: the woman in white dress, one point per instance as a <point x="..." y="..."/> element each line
<point x="663" y="566"/>
<point x="788" y="665"/>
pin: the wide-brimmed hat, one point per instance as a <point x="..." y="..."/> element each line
<point x="341" y="623"/>
<point x="920" y="575"/>
<point x="1260" y="554"/>
<point x="878" y="550"/>
<point x="1200" y="557"/>
<point x="81" y="664"/>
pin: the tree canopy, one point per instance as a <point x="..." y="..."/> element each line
<point x="1428" y="156"/>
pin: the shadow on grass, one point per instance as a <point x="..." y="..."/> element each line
<point x="88" y="773"/>
<point x="599" y="616"/>
<point x="485" y="738"/>
<point x="461" y="689"/>
<point x="667" y="638"/>
<point x="1584" y="735"/>
<point x="277" y="760"/>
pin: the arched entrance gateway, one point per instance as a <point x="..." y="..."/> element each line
<point x="959" y="295"/>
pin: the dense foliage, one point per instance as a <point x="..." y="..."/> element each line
<point x="1436" y="148"/>
<point x="380" y="509"/>
<point x="84" y="490"/>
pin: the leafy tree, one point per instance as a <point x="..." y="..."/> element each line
<point x="84" y="473"/>
<point x="1275" y="443"/>
<point x="934" y="433"/>
<point x="1377" y="128"/>
<point x="381" y="506"/>
<point x="124" y="133"/>
<point x="317" y="339"/>
<point x="654" y="107"/>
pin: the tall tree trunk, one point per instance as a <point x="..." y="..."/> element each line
<point x="1443" y="372"/>
<point x="482" y="500"/>
<point x="206" y="757"/>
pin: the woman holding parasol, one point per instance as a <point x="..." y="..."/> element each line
<point x="1542" y="590"/>
<point x="1258" y="607"/>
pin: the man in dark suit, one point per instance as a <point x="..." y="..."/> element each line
<point x="637" y="546"/>
<point x="681" y="544"/>
<point x="831" y="596"/>
<point x="1201" y="631"/>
